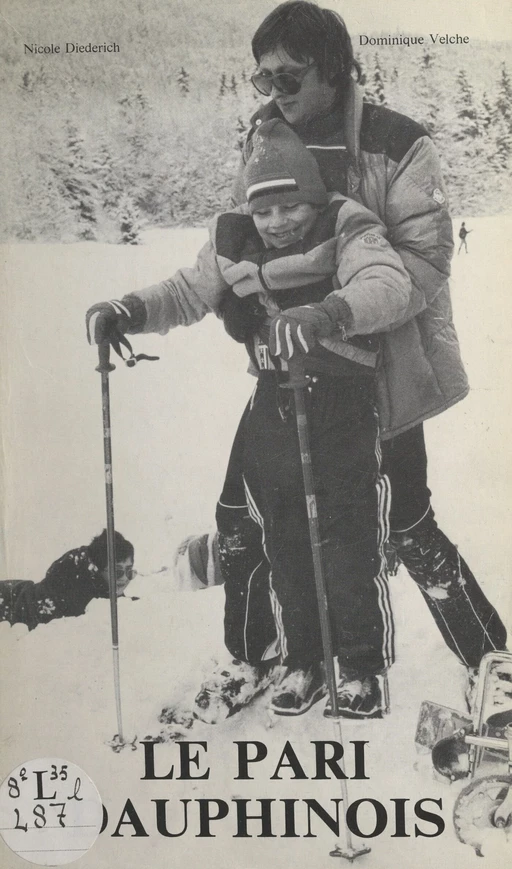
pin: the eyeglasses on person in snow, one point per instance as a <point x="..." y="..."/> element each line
<point x="288" y="83"/>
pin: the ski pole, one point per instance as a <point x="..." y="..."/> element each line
<point x="105" y="367"/>
<point x="298" y="381"/>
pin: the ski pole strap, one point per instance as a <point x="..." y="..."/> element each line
<point x="117" y="339"/>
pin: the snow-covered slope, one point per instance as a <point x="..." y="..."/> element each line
<point x="172" y="424"/>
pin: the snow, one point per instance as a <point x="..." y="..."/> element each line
<point x="172" y="425"/>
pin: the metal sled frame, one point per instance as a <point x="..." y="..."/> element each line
<point x="477" y="740"/>
<point x="489" y="796"/>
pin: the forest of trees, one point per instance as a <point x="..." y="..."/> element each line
<point x="467" y="111"/>
<point x="99" y="150"/>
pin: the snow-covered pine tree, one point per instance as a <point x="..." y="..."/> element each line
<point x="241" y="132"/>
<point x="426" y="98"/>
<point x="504" y="99"/>
<point x="501" y="135"/>
<point x="106" y="177"/>
<point x="470" y="176"/>
<point x="136" y="137"/>
<point x="183" y="80"/>
<point x="41" y="211"/>
<point x="467" y="114"/>
<point x="373" y="83"/>
<point x="368" y="95"/>
<point x="223" y="85"/>
<point x="75" y="178"/>
<point x="129" y="221"/>
<point x="427" y="58"/>
<point x="486" y="112"/>
<point x="141" y="99"/>
<point x="378" y="82"/>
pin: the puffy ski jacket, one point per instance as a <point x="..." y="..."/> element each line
<point x="70" y="584"/>
<point x="346" y="254"/>
<point x="388" y="163"/>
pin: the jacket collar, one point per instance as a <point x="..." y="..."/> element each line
<point x="349" y="117"/>
<point x="352" y="119"/>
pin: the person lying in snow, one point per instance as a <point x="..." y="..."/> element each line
<point x="70" y="584"/>
<point x="323" y="281"/>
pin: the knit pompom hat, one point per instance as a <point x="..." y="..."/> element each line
<point x="281" y="170"/>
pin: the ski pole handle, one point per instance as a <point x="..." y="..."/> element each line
<point x="297" y="377"/>
<point x="104" y="364"/>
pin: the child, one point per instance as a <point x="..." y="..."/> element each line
<point x="70" y="584"/>
<point x="322" y="280"/>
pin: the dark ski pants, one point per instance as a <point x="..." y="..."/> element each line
<point x="469" y="624"/>
<point x="271" y="601"/>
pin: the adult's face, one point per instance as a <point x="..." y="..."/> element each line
<point x="124" y="575"/>
<point x="315" y="96"/>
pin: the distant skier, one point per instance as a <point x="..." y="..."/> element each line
<point x="70" y="584"/>
<point x="463" y="234"/>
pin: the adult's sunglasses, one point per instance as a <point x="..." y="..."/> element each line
<point x="288" y="83"/>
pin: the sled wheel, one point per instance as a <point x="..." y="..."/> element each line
<point x="474" y="812"/>
<point x="450" y="756"/>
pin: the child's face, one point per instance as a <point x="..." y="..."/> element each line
<point x="281" y="225"/>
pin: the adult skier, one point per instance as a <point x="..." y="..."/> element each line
<point x="387" y="162"/>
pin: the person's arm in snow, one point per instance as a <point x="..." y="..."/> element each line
<point x="375" y="290"/>
<point x="181" y="300"/>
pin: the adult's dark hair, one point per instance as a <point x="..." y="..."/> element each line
<point x="306" y="31"/>
<point x="98" y="549"/>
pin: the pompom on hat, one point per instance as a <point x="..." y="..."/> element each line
<point x="281" y="170"/>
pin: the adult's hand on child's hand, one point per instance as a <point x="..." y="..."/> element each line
<point x="298" y="330"/>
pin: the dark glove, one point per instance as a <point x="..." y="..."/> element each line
<point x="299" y="329"/>
<point x="242" y="317"/>
<point x="106" y="320"/>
